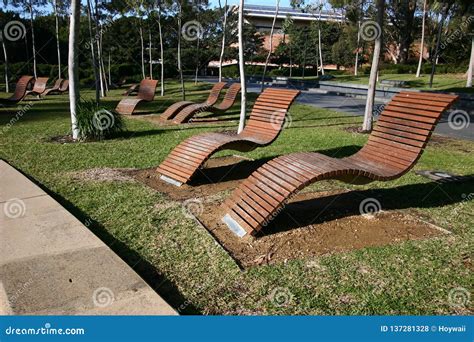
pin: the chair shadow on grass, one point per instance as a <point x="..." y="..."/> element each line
<point x="337" y="206"/>
<point x="243" y="169"/>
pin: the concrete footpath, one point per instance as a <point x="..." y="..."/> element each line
<point x="51" y="264"/>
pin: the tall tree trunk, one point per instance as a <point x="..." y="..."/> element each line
<point x="142" y="44"/>
<point x="33" y="43"/>
<point x="93" y="55"/>
<point x="369" y="107"/>
<point x="243" y="91"/>
<point x="224" y="26"/>
<point x="356" y="66"/>
<point x="471" y="65"/>
<point x="422" y="43"/>
<point x="110" y="74"/>
<point x="319" y="39"/>
<point x="434" y="58"/>
<point x="73" y="66"/>
<point x="56" y="17"/>
<point x="102" y="65"/>
<point x="270" y="50"/>
<point x="150" y="54"/>
<point x="197" y="61"/>
<point x="277" y="7"/>
<point x="180" y="67"/>
<point x="98" y="35"/>
<point x="5" y="57"/>
<point x="161" y="54"/>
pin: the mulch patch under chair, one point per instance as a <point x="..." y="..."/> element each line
<point x="263" y="127"/>
<point x="393" y="148"/>
<point x="20" y="91"/>
<point x="177" y="107"/>
<point x="229" y="99"/>
<point x="146" y="93"/>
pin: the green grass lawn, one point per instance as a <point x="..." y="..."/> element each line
<point x="183" y="263"/>
<point x="448" y="82"/>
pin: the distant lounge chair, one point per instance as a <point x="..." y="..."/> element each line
<point x="64" y="87"/>
<point x="20" y="91"/>
<point x="133" y="89"/>
<point x="229" y="99"/>
<point x="175" y="108"/>
<point x="39" y="86"/>
<point x="146" y="93"/>
<point x="263" y="127"/>
<point x="393" y="148"/>
<point x="54" y="88"/>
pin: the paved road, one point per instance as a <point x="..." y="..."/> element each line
<point x="356" y="106"/>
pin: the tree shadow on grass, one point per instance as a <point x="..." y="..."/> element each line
<point x="159" y="282"/>
<point x="333" y="207"/>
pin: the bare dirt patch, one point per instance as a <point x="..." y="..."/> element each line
<point x="103" y="175"/>
<point x="315" y="224"/>
<point x="218" y="175"/>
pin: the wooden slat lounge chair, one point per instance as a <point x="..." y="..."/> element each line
<point x="229" y="99"/>
<point x="20" y="91"/>
<point x="64" y="87"/>
<point x="133" y="89"/>
<point x="39" y="87"/>
<point x="175" y="108"/>
<point x="146" y="93"/>
<point x="54" y="88"/>
<point x="263" y="127"/>
<point x="393" y="148"/>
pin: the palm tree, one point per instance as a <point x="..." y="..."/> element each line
<point x="5" y="57"/>
<point x="277" y="7"/>
<point x="243" y="91"/>
<point x="422" y="42"/>
<point x="73" y="67"/>
<point x="369" y="107"/>
<point x="224" y="26"/>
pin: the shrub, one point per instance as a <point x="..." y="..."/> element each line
<point x="95" y="123"/>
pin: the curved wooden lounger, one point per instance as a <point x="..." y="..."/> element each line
<point x="54" y="88"/>
<point x="64" y="87"/>
<point x="20" y="91"/>
<point x="393" y="148"/>
<point x="175" y="108"/>
<point x="39" y="87"/>
<point x="133" y="89"/>
<point x="263" y="127"/>
<point x="229" y="99"/>
<point x="146" y="93"/>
